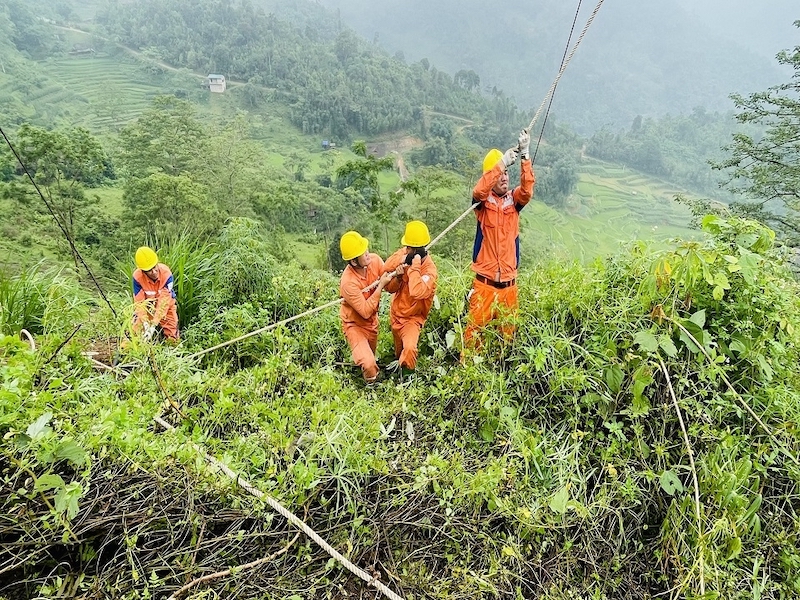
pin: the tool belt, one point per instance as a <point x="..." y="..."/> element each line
<point x="496" y="284"/>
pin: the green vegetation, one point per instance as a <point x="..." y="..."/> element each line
<point x="551" y="467"/>
<point x="637" y="438"/>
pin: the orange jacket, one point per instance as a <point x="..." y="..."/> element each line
<point x="496" y="249"/>
<point x="414" y="291"/>
<point x="360" y="308"/>
<point x="153" y="299"/>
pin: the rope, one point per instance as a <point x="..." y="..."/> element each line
<point x="564" y="65"/>
<point x="58" y="222"/>
<point x="289" y="516"/>
<point x="548" y="96"/>
<point x="550" y="104"/>
<point x="324" y="306"/>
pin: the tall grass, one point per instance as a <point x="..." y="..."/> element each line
<point x="23" y="301"/>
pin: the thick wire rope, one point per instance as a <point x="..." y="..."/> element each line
<point x="58" y="222"/>
<point x="553" y="95"/>
<point x="289" y="516"/>
<point x="460" y="218"/>
<point x="564" y="65"/>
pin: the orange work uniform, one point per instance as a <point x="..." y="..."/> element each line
<point x="411" y="304"/>
<point x="359" y="314"/>
<point x="154" y="301"/>
<point x="495" y="255"/>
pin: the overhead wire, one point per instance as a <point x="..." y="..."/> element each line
<point x="63" y="229"/>
<point x="553" y="95"/>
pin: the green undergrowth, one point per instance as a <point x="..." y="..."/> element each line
<point x="551" y="466"/>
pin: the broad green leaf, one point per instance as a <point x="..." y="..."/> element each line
<point x="614" y="376"/>
<point x="734" y="547"/>
<point x="646" y="340"/>
<point x="51" y="481"/>
<point x="670" y="483"/>
<point x="67" y="499"/>
<point x="696" y="332"/>
<point x="746" y="240"/>
<point x="39" y="427"/>
<point x="738" y="347"/>
<point x="558" y="503"/>
<point x="764" y="366"/>
<point x="749" y="263"/>
<point x="450" y="338"/>
<point x="69" y="450"/>
<point x="699" y="318"/>
<point x="718" y="293"/>
<point x="667" y="345"/>
<point x="721" y="280"/>
<point x="486" y="432"/>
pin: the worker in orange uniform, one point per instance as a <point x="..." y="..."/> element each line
<point x="154" y="297"/>
<point x="495" y="255"/>
<point x="414" y="286"/>
<point x="359" y="311"/>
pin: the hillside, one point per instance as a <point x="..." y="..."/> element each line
<point x="637" y="437"/>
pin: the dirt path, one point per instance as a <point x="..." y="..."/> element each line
<point x="144" y="58"/>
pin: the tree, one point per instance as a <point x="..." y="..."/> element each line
<point x="766" y="170"/>
<point x="167" y="138"/>
<point x="439" y="201"/>
<point x="62" y="164"/>
<point x="163" y="205"/>
<point x="361" y="177"/>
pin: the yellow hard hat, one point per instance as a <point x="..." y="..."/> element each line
<point x="146" y="258"/>
<point x="491" y="159"/>
<point x="416" y="235"/>
<point x="353" y="245"/>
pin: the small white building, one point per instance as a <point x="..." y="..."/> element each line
<point x="216" y="83"/>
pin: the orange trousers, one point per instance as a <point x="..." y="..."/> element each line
<point x="406" y="337"/>
<point x="169" y="324"/>
<point x="487" y="303"/>
<point x="363" y="343"/>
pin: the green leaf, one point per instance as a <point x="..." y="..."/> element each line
<point x="47" y="482"/>
<point x="738" y="347"/>
<point x="646" y="340"/>
<point x="699" y="318"/>
<point x="667" y="345"/>
<point x="718" y="293"/>
<point x="734" y="547"/>
<point x="764" y="366"/>
<point x="614" y="376"/>
<point x="486" y="431"/>
<point x="696" y="332"/>
<point x="67" y="499"/>
<point x="722" y="280"/>
<point x="749" y="263"/>
<point x="450" y="338"/>
<point x="558" y="503"/>
<point x="69" y="450"/>
<point x="39" y="427"/>
<point x="670" y="483"/>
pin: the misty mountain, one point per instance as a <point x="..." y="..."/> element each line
<point x="638" y="58"/>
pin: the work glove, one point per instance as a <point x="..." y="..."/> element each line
<point x="149" y="332"/>
<point x="421" y="252"/>
<point x="524" y="144"/>
<point x="510" y="157"/>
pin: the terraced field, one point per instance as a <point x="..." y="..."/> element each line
<point x="107" y="91"/>
<point x="611" y="205"/>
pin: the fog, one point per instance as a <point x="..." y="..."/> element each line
<point x="638" y="57"/>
